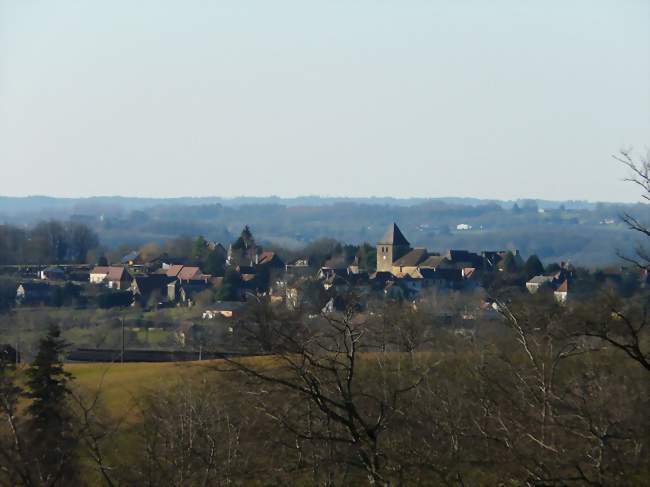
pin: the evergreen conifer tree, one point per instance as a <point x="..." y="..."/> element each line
<point x="50" y="424"/>
<point x="509" y="263"/>
<point x="245" y="240"/>
<point x="533" y="267"/>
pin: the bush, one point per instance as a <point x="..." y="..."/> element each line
<point x="114" y="299"/>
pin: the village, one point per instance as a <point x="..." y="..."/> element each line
<point x="401" y="272"/>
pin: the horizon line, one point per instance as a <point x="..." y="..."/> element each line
<point x="324" y="197"/>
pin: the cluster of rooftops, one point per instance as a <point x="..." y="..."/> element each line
<point x="400" y="269"/>
<point x="405" y="271"/>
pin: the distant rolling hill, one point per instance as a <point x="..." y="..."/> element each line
<point x="582" y="232"/>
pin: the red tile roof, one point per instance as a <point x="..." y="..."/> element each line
<point x="100" y="270"/>
<point x="174" y="270"/>
<point x="187" y="273"/>
<point x="564" y="287"/>
<point x="265" y="257"/>
<point x="117" y="274"/>
<point x="113" y="273"/>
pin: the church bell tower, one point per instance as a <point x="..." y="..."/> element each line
<point x="391" y="247"/>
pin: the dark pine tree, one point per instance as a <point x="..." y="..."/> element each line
<point x="245" y="240"/>
<point x="509" y="263"/>
<point x="533" y="267"/>
<point x="214" y="264"/>
<point x="199" y="248"/>
<point x="50" y="418"/>
<point x="230" y="288"/>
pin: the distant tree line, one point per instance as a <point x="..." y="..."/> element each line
<point x="48" y="242"/>
<point x="585" y="235"/>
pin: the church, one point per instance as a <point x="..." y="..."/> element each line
<point x="396" y="256"/>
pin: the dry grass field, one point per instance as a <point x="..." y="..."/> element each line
<point x="120" y="385"/>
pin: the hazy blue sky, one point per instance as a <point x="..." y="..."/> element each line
<point x="500" y="99"/>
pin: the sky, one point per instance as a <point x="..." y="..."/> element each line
<point x="500" y="99"/>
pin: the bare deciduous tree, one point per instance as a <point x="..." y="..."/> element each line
<point x="190" y="437"/>
<point x="640" y="176"/>
<point x="347" y="404"/>
<point x="624" y="326"/>
<point x="552" y="406"/>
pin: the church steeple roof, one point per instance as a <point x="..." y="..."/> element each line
<point x="394" y="236"/>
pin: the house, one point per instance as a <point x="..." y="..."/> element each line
<point x="432" y="261"/>
<point x="269" y="260"/>
<point x="442" y="277"/>
<point x="184" y="273"/>
<point x="463" y="258"/>
<point x="494" y="259"/>
<point x="469" y="272"/>
<point x="407" y="264"/>
<point x="491" y="258"/>
<point x="539" y="282"/>
<point x="164" y="261"/>
<point x="33" y="293"/>
<point x="118" y="278"/>
<point x="185" y="291"/>
<point x="562" y="292"/>
<point x="225" y="309"/>
<point x="52" y="274"/>
<point x="173" y="290"/>
<point x="298" y="267"/>
<point x="191" y="289"/>
<point x="98" y="274"/>
<point x="517" y="260"/>
<point x="115" y="277"/>
<point x="153" y="286"/>
<point x="355" y="266"/>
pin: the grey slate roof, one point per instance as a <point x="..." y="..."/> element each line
<point x="412" y="259"/>
<point x="432" y="261"/>
<point x="394" y="236"/>
<point x="540" y="279"/>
